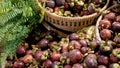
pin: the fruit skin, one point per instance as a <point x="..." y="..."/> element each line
<point x="18" y="64"/>
<point x="105" y="34"/>
<point x="60" y="2"/>
<point x="29" y="52"/>
<point x="43" y="44"/>
<point x="94" y="45"/>
<point x="51" y="4"/>
<point x="47" y="64"/>
<point x="67" y="66"/>
<point x="73" y="36"/>
<point x="27" y="59"/>
<point x="83" y="42"/>
<point x="55" y="56"/>
<point x="105" y="24"/>
<point x="74" y="45"/>
<point x="84" y="50"/>
<point x="38" y="55"/>
<point x="118" y="18"/>
<point x="113" y="58"/>
<point x="103" y="60"/>
<point x="77" y="65"/>
<point x="21" y="50"/>
<point x="75" y="56"/>
<point x="117" y="41"/>
<point x="91" y="8"/>
<point x="116" y="26"/>
<point x="102" y="66"/>
<point x="110" y="16"/>
<point x="91" y="61"/>
<point x="77" y="9"/>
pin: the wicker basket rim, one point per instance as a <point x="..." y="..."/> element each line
<point x="100" y="17"/>
<point x="81" y="17"/>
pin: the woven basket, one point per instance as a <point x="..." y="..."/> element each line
<point x="115" y="8"/>
<point x="72" y="24"/>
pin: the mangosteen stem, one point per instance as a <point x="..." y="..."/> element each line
<point x="116" y="52"/>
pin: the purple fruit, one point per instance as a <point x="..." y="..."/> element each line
<point x="38" y="55"/>
<point x="21" y="50"/>
<point x="104" y="60"/>
<point x="51" y="3"/>
<point x="47" y="64"/>
<point x="116" y="26"/>
<point x="113" y="59"/>
<point x="118" y="18"/>
<point x="18" y="64"/>
<point x="74" y="45"/>
<point x="110" y="16"/>
<point x="60" y="2"/>
<point x="67" y="66"/>
<point x="84" y="50"/>
<point x="73" y="36"/>
<point x="55" y="56"/>
<point x="83" y="42"/>
<point x="77" y="65"/>
<point x="102" y="66"/>
<point x="75" y="56"/>
<point x="105" y="34"/>
<point x="90" y="61"/>
<point x="43" y="43"/>
<point x="91" y="8"/>
<point x="105" y="24"/>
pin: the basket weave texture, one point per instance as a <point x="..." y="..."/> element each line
<point x="114" y="8"/>
<point x="72" y="24"/>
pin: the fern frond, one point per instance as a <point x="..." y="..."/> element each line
<point x="5" y="7"/>
<point x="4" y="18"/>
<point x="15" y="25"/>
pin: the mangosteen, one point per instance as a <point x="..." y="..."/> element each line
<point x="55" y="56"/>
<point x="103" y="60"/>
<point x="105" y="24"/>
<point x="47" y="64"/>
<point x="102" y="66"/>
<point x="60" y="2"/>
<point x="51" y="3"/>
<point x="110" y="16"/>
<point x="18" y="64"/>
<point x="118" y="18"/>
<point x="91" y="61"/>
<point x="116" y="26"/>
<point x="113" y="58"/>
<point x="105" y="49"/>
<point x="43" y="44"/>
<point x="73" y="36"/>
<point x="75" y="56"/>
<point x="74" y="45"/>
<point x="67" y="66"/>
<point x="105" y="34"/>
<point x="21" y="51"/>
<point x="77" y="65"/>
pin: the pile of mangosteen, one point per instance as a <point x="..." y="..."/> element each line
<point x="73" y="8"/>
<point x="53" y="51"/>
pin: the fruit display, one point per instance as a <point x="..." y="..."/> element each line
<point x="74" y="8"/>
<point x="53" y="51"/>
<point x="26" y="43"/>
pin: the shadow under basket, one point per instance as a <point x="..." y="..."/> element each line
<point x="113" y="8"/>
<point x="72" y="24"/>
<point x="60" y="32"/>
